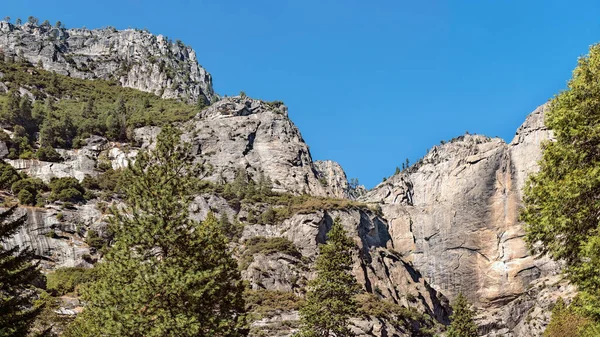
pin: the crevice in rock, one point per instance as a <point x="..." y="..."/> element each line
<point x="368" y="286"/>
<point x="250" y="145"/>
<point x="470" y="250"/>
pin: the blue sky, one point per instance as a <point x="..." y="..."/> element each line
<point x="369" y="83"/>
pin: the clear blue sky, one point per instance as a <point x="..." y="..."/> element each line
<point x="369" y="83"/>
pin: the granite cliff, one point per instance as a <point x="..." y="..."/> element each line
<point x="134" y="58"/>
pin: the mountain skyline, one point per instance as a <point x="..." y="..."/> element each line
<point x="362" y="82"/>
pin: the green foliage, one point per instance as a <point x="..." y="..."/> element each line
<point x="561" y="207"/>
<point x="330" y="298"/>
<point x="48" y="153"/>
<point x="566" y="321"/>
<point x="29" y="190"/>
<point x="67" y="189"/>
<point x="67" y="280"/>
<point x="8" y="175"/>
<point x="17" y="277"/>
<point x="268" y="303"/>
<point x="94" y="240"/>
<point x="108" y="181"/>
<point x="166" y="274"/>
<point x="233" y="230"/>
<point x="267" y="246"/>
<point x="462" y="319"/>
<point x="369" y="305"/>
<point x="75" y="108"/>
<point x="48" y="320"/>
<point x="269" y="217"/>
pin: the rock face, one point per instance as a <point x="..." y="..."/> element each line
<point x="530" y="313"/>
<point x="56" y="236"/>
<point x="455" y="214"/>
<point x="134" y="58"/>
<point x="239" y="133"/>
<point x="332" y="174"/>
<point x="377" y="267"/>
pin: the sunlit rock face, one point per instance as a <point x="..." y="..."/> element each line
<point x="240" y="133"/>
<point x="454" y="214"/>
<point x="134" y="58"/>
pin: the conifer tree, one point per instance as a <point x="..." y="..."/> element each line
<point x="330" y="297"/>
<point x="561" y="200"/>
<point x="17" y="275"/>
<point x="462" y="324"/>
<point x="166" y="274"/>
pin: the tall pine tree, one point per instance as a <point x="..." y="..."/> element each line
<point x="166" y="275"/>
<point x="17" y="275"/>
<point x="462" y="324"/>
<point x="561" y="200"/>
<point x="330" y="297"/>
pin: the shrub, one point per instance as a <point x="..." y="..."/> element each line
<point x="268" y="303"/>
<point x="104" y="165"/>
<point x="267" y="246"/>
<point x="28" y="190"/>
<point x="66" y="189"/>
<point x="110" y="180"/>
<point x="370" y="305"/>
<point x="48" y="153"/>
<point x="94" y="240"/>
<point x="269" y="216"/>
<point x="8" y="175"/>
<point x="66" y="280"/>
<point x="26" y="198"/>
<point x="567" y="321"/>
<point x="90" y="182"/>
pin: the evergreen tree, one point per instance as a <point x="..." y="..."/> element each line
<point x="17" y="275"/>
<point x="462" y="324"/>
<point x="330" y="297"/>
<point x="166" y="275"/>
<point x="561" y="200"/>
<point x="115" y="122"/>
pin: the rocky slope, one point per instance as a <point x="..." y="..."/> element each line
<point x="235" y="133"/>
<point x="134" y="58"/>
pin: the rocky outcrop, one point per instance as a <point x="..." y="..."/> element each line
<point x="133" y="58"/>
<point x="530" y="313"/>
<point x="57" y="235"/>
<point x="377" y="266"/>
<point x="240" y="133"/>
<point x="331" y="174"/>
<point x="454" y="214"/>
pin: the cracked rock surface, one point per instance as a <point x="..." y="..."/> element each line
<point x="454" y="214"/>
<point x="134" y="58"/>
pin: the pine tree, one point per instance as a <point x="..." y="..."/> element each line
<point x="17" y="275"/>
<point x="330" y="297"/>
<point x="561" y="200"/>
<point x="166" y="275"/>
<point x="462" y="324"/>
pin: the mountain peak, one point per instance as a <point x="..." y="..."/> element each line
<point x="133" y="58"/>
